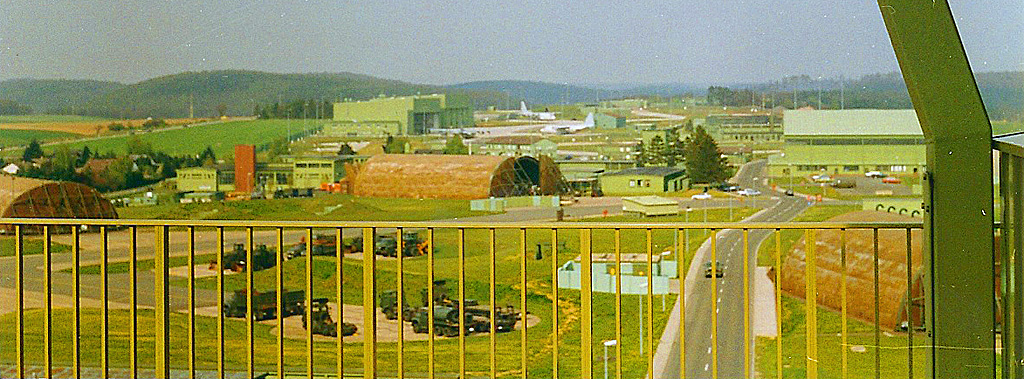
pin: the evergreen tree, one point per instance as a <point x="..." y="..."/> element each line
<point x="454" y="146"/>
<point x="655" y="152"/>
<point x="640" y="155"/>
<point x="704" y="162"/>
<point x="33" y="151"/>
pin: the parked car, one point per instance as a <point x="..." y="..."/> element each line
<point x="875" y="174"/>
<point x="789" y="192"/>
<point x="891" y="180"/>
<point x="823" y="178"/>
<point x="701" y="196"/>
<point x="718" y="269"/>
<point x="748" y="192"/>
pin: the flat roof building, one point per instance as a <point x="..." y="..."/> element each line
<point x="644" y="180"/>
<point x="398" y="116"/>
<point x="744" y="127"/>
<point x="850" y="142"/>
<point x="515" y="146"/>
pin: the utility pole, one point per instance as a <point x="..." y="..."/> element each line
<point x="191" y="107"/>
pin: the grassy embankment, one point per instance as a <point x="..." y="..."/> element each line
<point x="508" y="250"/>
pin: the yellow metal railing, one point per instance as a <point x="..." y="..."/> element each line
<point x="168" y="356"/>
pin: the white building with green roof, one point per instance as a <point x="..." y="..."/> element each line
<point x="848" y="142"/>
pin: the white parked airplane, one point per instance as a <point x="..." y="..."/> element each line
<point x="526" y="112"/>
<point x="569" y="127"/>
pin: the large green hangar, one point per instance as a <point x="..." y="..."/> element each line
<point x="35" y="198"/>
<point x="456" y="176"/>
<point x="397" y="116"/>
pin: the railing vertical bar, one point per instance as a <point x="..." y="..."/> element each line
<point x="649" y="346"/>
<point x="811" y="298"/>
<point x="618" y="303"/>
<point x="133" y="303"/>
<point x="47" y="309"/>
<point x="220" y="302"/>
<point x="493" y="303"/>
<point x="746" y="305"/>
<point x="340" y="299"/>
<point x="714" y="303"/>
<point x="279" y="292"/>
<point x="249" y="315"/>
<point x="161" y="311"/>
<point x="680" y="263"/>
<point x="76" y="292"/>
<point x="586" y="305"/>
<point x="522" y="304"/>
<point x="309" y="303"/>
<point x="105" y="310"/>
<point x="1015" y="269"/>
<point x="462" y="301"/>
<point x="369" y="306"/>
<point x="778" y="304"/>
<point x="430" y="303"/>
<point x="910" y="302"/>
<point x="878" y="333"/>
<point x="399" y="276"/>
<point x="191" y="302"/>
<point x="842" y="304"/>
<point x="19" y="274"/>
<point x="554" y="303"/>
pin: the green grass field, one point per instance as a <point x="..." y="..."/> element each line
<point x="32" y="246"/>
<point x="336" y="207"/>
<point x="19" y="137"/>
<point x="193" y="140"/>
<point x="1003" y="127"/>
<point x="38" y="118"/>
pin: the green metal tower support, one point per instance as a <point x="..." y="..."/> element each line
<point x="959" y="261"/>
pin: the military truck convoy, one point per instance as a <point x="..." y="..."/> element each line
<point x="264" y="307"/>
<point x="445" y="312"/>
<point x="384" y="245"/>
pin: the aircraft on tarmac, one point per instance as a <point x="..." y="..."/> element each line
<point x="543" y="116"/>
<point x="569" y="127"/>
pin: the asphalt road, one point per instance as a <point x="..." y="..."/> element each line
<point x="727" y="303"/>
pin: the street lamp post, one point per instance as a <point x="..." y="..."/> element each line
<point x="687" y="239"/>
<point x="664" y="255"/>
<point x="608" y="344"/>
<point x="640" y="303"/>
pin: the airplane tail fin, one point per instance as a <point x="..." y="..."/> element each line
<point x="589" y="122"/>
<point x="522" y="107"/>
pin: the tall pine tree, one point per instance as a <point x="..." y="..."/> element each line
<point x="704" y="162"/>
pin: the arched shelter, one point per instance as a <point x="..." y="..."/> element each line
<point x="36" y="198"/>
<point x="448" y="176"/>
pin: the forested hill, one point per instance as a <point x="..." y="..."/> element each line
<point x="169" y="96"/>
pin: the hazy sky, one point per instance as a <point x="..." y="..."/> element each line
<point x="690" y="41"/>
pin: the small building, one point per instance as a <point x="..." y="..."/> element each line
<point x="399" y="116"/>
<point x="312" y="172"/>
<point x="609" y="121"/>
<point x="641" y="180"/>
<point x="201" y="179"/>
<point x="515" y="146"/>
<point x="650" y="206"/>
<point x="648" y="136"/>
<point x="633" y="269"/>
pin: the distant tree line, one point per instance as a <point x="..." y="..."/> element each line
<point x="311" y="109"/>
<point x="140" y="166"/>
<point x="10" y="107"/>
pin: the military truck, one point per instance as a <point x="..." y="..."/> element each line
<point x="446" y="321"/>
<point x="478" y="316"/>
<point x="323" y="324"/>
<point x="386" y="245"/>
<point x="234" y="260"/>
<point x="323" y="244"/>
<point x="264" y="304"/>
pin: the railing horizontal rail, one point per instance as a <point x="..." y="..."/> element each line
<point x="462" y="225"/>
